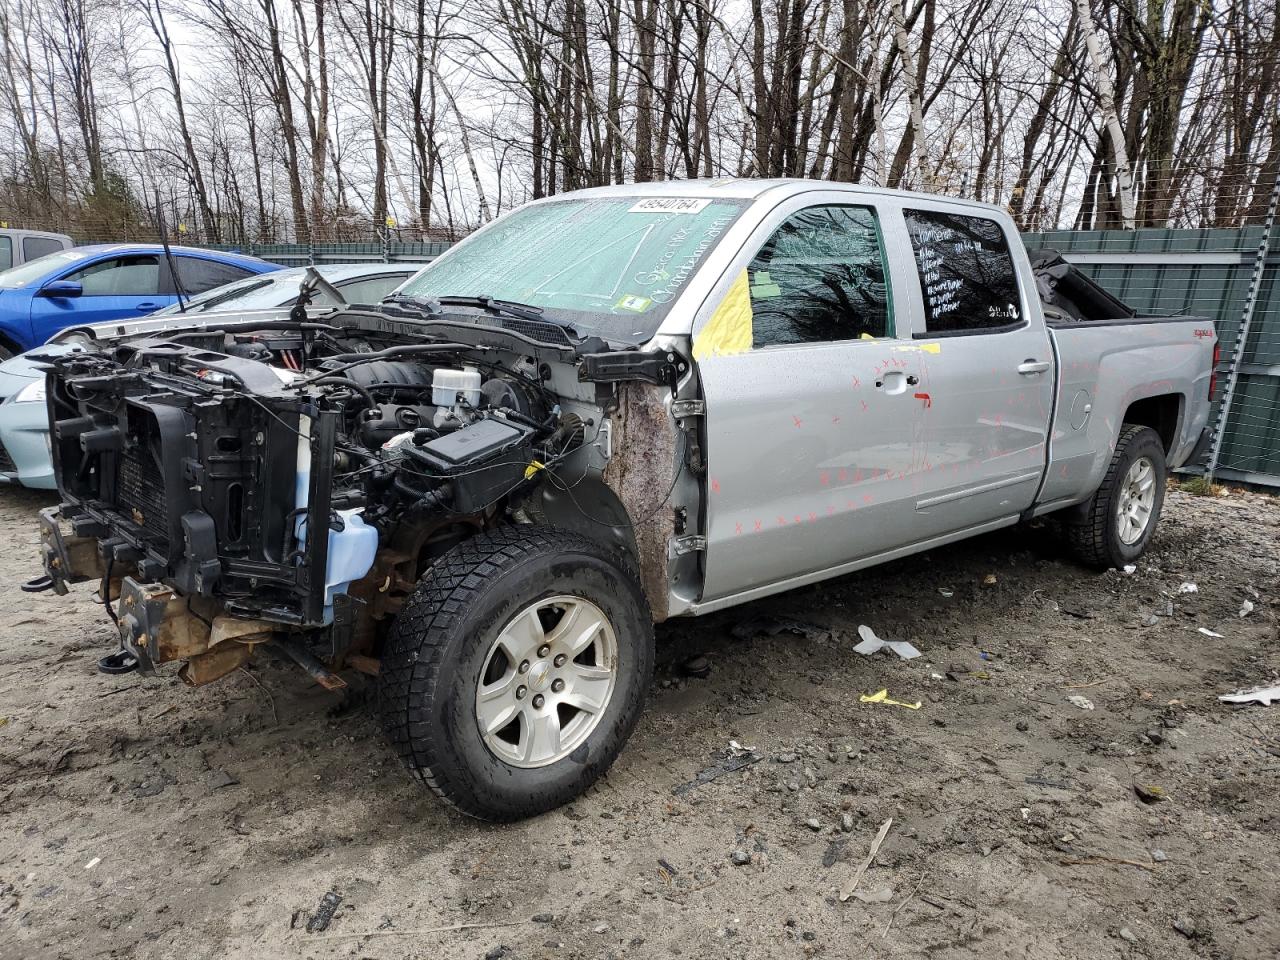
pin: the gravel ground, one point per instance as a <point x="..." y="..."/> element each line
<point x="142" y="819"/>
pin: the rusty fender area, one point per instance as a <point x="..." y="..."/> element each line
<point x="639" y="473"/>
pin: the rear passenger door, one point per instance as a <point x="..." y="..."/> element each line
<point x="986" y="371"/>
<point x="809" y="418"/>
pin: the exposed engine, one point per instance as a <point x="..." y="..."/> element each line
<point x="208" y="460"/>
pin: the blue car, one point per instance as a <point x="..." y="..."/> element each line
<point x="95" y="284"/>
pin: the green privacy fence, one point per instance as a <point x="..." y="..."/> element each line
<point x="1213" y="274"/>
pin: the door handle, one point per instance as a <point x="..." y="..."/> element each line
<point x="893" y="382"/>
<point x="147" y="306"/>
<point x="1028" y="367"/>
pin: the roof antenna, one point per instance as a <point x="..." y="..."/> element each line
<point x="168" y="256"/>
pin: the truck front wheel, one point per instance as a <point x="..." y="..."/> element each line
<point x="517" y="670"/>
<point x="1114" y="527"/>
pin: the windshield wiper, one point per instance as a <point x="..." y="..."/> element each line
<point x="521" y="311"/>
<point x="510" y="308"/>
<point x="206" y="305"/>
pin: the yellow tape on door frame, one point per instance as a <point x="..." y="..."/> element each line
<point x="729" y="330"/>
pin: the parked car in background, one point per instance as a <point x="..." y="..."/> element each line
<point x="24" y="421"/>
<point x="356" y="282"/>
<point x="105" y="282"/>
<point x="22" y="246"/>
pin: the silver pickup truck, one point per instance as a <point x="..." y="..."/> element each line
<point x="602" y="410"/>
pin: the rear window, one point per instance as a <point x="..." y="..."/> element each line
<point x="966" y="272"/>
<point x="366" y="290"/>
<point x="196" y="275"/>
<point x="33" y="247"/>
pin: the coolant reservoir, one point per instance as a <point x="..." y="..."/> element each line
<point x="446" y="384"/>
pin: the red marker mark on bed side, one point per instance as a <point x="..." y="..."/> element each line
<point x="759" y="525"/>
<point x="796" y="420"/>
<point x="864" y="405"/>
<point x="715" y="486"/>
<point x="928" y="400"/>
<point x="737" y="529"/>
<point x="856" y="383"/>
<point x="824" y="478"/>
<point x="843" y="475"/>
<point x="813" y="517"/>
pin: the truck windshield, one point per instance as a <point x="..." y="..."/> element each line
<point x="609" y="266"/>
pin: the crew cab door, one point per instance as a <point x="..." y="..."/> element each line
<point x="986" y="369"/>
<point x="811" y="429"/>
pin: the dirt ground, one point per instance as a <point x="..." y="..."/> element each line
<point x="139" y="818"/>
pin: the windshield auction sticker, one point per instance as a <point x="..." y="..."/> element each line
<point x="669" y="205"/>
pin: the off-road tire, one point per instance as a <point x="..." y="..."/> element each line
<point x="1091" y="530"/>
<point x="435" y="653"/>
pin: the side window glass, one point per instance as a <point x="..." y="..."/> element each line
<point x="121" y="277"/>
<point x="6" y="253"/>
<point x="821" y="277"/>
<point x="966" y="272"/>
<point x="197" y="276"/>
<point x="33" y="247"/>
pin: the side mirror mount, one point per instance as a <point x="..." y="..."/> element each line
<point x="58" y="289"/>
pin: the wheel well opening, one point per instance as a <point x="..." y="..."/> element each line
<point x="1160" y="414"/>
<point x="9" y="344"/>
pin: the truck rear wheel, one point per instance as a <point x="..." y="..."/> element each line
<point x="1114" y="527"/>
<point x="517" y="671"/>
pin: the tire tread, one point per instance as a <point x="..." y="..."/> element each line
<point x="418" y="641"/>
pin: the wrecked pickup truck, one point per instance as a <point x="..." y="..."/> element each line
<point x="602" y="410"/>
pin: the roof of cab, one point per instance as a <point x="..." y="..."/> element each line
<point x="748" y="188"/>
<point x="21" y="232"/>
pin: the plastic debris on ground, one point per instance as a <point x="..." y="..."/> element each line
<point x="1263" y="695"/>
<point x="1246" y="608"/>
<point x="882" y="696"/>
<point x="871" y="644"/>
<point x="1209" y="633"/>
<point x="1188" y="587"/>
<point x="734" y="762"/>
<point x="1084" y="703"/>
<point x="1150" y="793"/>
<point x="321" y="919"/>
<point x="946" y="592"/>
<point x="1129" y="569"/>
